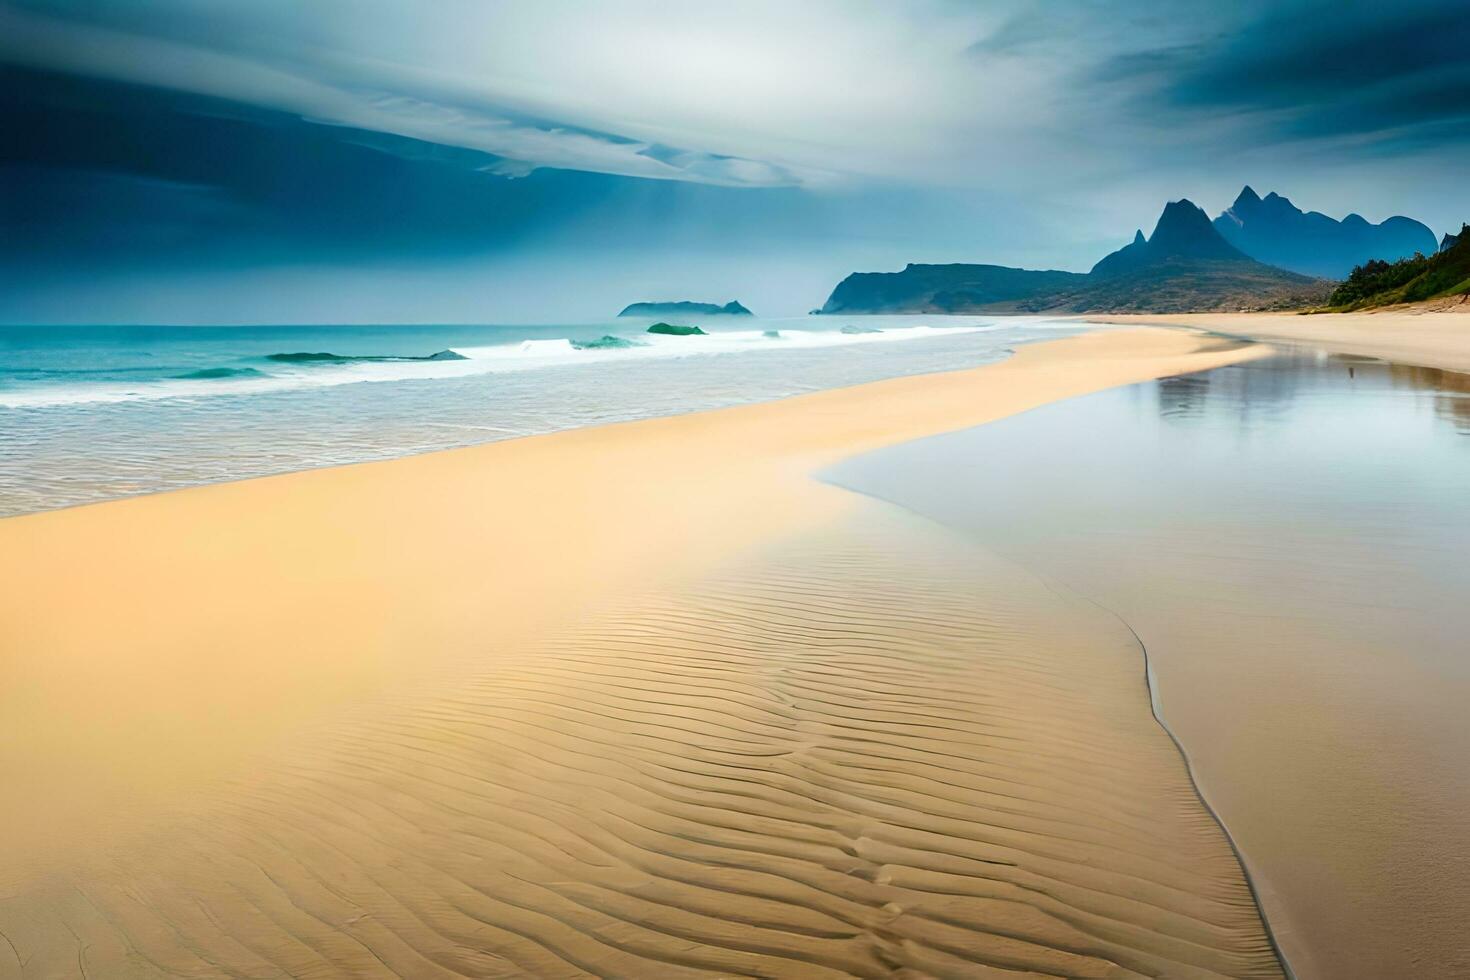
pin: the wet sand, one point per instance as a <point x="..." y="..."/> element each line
<point x="1287" y="537"/>
<point x="1421" y="337"/>
<point x="632" y="701"/>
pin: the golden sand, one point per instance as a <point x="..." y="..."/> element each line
<point x="641" y="700"/>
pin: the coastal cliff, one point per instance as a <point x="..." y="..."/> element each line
<point x="1185" y="265"/>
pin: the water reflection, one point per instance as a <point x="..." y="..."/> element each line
<point x="1287" y="536"/>
<point x="1183" y="398"/>
<point x="1450" y="389"/>
<point x="1252" y="397"/>
<point x="1267" y="389"/>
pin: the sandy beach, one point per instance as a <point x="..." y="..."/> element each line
<point x="635" y="491"/>
<point x="1286" y="537"/>
<point x="637" y="700"/>
<point x="1432" y="338"/>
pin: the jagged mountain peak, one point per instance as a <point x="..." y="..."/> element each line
<point x="1184" y="265"/>
<point x="1246" y="197"/>
<point x="1183" y="231"/>
<point x="1274" y="202"/>
<point x="1277" y="232"/>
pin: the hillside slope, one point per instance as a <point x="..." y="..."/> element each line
<point x="1186" y="265"/>
<point x="956" y="288"/>
<point x="1415" y="280"/>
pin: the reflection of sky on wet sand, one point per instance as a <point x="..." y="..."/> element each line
<point x="1269" y="386"/>
<point x="1288" y="536"/>
<point x="1451" y="391"/>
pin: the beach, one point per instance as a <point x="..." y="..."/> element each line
<point x="99" y="412"/>
<point x="1286" y="537"/>
<point x="1424" y="337"/>
<point x="631" y="700"/>
<point x="650" y="491"/>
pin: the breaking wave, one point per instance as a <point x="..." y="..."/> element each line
<point x="322" y="357"/>
<point x="298" y="370"/>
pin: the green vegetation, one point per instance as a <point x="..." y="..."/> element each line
<point x="1412" y="280"/>
<point x="675" y="330"/>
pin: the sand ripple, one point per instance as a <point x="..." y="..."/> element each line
<point x="874" y="752"/>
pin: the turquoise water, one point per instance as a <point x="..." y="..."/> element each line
<point x="88" y="413"/>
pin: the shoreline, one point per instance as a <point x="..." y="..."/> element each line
<point x="152" y="427"/>
<point x="164" y="644"/>
<point x="1253" y="880"/>
<point x="1432" y="339"/>
<point x="378" y="568"/>
<point x="1230" y="518"/>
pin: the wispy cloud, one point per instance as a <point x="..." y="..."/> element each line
<point x="1298" y="72"/>
<point x="767" y="93"/>
<point x="386" y="102"/>
<point x="238" y="133"/>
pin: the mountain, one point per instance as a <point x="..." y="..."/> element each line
<point x="1412" y="280"/>
<point x="1277" y="232"/>
<point x="685" y="308"/>
<point x="956" y="288"/>
<point x="1183" y="231"/>
<point x="1450" y="241"/>
<point x="1184" y="266"/>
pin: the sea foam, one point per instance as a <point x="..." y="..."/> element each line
<point x="292" y="371"/>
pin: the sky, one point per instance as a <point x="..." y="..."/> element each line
<point x="214" y="161"/>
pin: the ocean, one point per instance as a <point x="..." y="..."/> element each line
<point x="89" y="413"/>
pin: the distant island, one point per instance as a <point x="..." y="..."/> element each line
<point x="685" y="308"/>
<point x="1185" y="265"/>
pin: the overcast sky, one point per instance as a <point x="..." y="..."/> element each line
<point x="202" y="160"/>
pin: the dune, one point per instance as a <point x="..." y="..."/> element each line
<point x="639" y="700"/>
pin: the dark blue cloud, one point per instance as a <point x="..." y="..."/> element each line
<point x="280" y="135"/>
<point x="121" y="173"/>
<point x="1381" y="72"/>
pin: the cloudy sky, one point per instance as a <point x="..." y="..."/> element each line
<point x="478" y="160"/>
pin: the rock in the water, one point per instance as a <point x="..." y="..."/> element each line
<point x="675" y="330"/>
